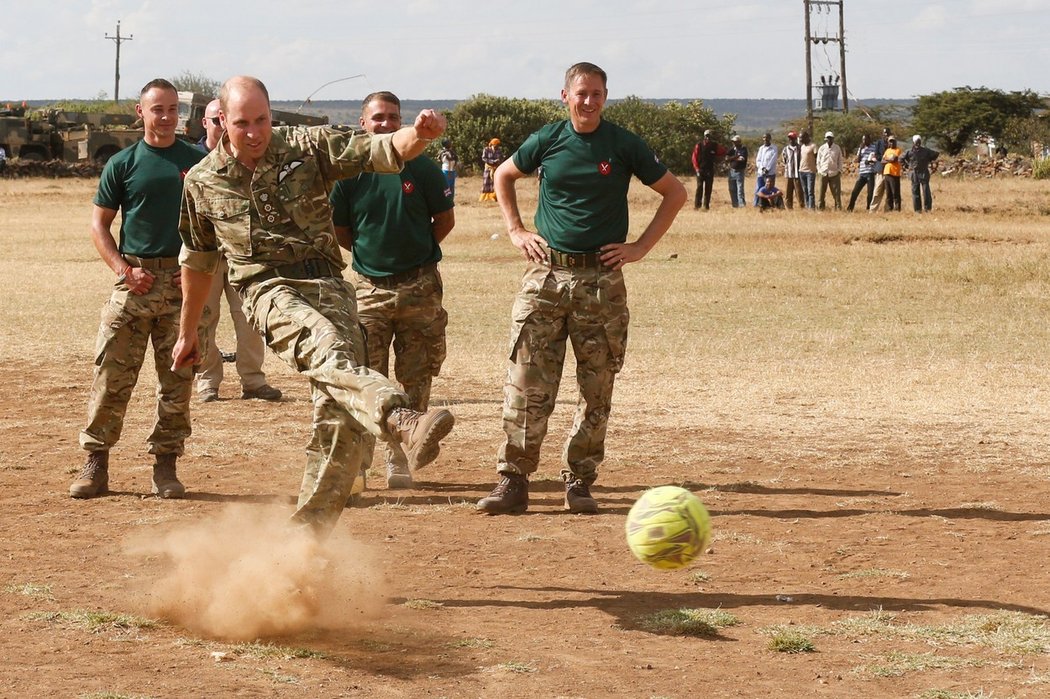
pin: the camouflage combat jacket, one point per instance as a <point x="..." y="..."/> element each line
<point x="278" y="214"/>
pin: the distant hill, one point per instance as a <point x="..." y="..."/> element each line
<point x="754" y="116"/>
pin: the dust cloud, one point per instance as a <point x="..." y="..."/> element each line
<point x="246" y="574"/>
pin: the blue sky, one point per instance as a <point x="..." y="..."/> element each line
<point x="423" y="49"/>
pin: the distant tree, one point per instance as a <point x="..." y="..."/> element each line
<point x="1022" y="134"/>
<point x="848" y="128"/>
<point x="953" y="118"/>
<point x="188" y="81"/>
<point x="670" y="129"/>
<point x="476" y="121"/>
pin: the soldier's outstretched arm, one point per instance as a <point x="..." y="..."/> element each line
<point x="410" y="141"/>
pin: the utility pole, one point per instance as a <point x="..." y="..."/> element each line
<point x="829" y="84"/>
<point x="116" y="72"/>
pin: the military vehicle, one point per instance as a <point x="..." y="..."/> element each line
<point x="90" y="138"/>
<point x="27" y="138"/>
<point x="75" y="136"/>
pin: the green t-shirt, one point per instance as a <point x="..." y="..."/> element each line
<point x="584" y="182"/>
<point x="144" y="183"/>
<point x="389" y="216"/>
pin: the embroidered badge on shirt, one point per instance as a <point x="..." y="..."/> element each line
<point x="605" y="167"/>
<point x="408" y="187"/>
<point x="287" y="169"/>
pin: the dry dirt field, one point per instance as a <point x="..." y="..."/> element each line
<point x="862" y="401"/>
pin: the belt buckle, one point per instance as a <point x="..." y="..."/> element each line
<point x="570" y="260"/>
<point x="311" y="267"/>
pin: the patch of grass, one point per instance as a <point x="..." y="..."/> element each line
<point x="95" y="621"/>
<point x="897" y="663"/>
<point x="422" y="604"/>
<point x="951" y="694"/>
<point x="876" y="573"/>
<point x="979" y="506"/>
<point x="31" y="590"/>
<point x="1005" y="632"/>
<point x="874" y="623"/>
<point x="532" y="537"/>
<point x="375" y="646"/>
<point x="256" y="649"/>
<point x="698" y="576"/>
<point x="471" y="643"/>
<point x="687" y="622"/>
<point x="516" y="667"/>
<point x="789" y="639"/>
<point x="278" y="678"/>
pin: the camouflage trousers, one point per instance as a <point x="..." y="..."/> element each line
<point x="250" y="349"/>
<point x="312" y="325"/>
<point x="408" y="314"/>
<point x="589" y="307"/>
<point x="128" y="323"/>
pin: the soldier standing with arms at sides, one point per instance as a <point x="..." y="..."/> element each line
<point x="261" y="199"/>
<point x="250" y="347"/>
<point x="573" y="286"/>
<point x="393" y="226"/>
<point x="143" y="182"/>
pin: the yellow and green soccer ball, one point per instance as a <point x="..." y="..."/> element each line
<point x="668" y="527"/>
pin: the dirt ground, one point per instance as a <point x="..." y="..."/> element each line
<point x="936" y="515"/>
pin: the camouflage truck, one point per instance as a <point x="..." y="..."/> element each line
<point x="28" y="138"/>
<point x="99" y="137"/>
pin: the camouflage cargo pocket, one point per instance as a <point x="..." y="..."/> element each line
<point x="437" y="349"/>
<point x="539" y="296"/>
<point x="114" y="318"/>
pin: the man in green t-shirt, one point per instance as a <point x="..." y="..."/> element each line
<point x="573" y="287"/>
<point x="393" y="226"/>
<point x="144" y="183"/>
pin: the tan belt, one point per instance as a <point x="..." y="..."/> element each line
<point x="152" y="262"/>
<point x="574" y="259"/>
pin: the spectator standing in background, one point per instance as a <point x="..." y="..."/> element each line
<point x="829" y="170"/>
<point x="807" y="170"/>
<point x="891" y="174"/>
<point x="737" y="160"/>
<point x="491" y="157"/>
<point x="880" y="185"/>
<point x="867" y="164"/>
<point x="765" y="163"/>
<point x="791" y="159"/>
<point x="918" y="160"/>
<point x="705" y="155"/>
<point x="449" y="165"/>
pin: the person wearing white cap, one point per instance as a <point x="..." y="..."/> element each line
<point x="829" y="171"/>
<point x="918" y="159"/>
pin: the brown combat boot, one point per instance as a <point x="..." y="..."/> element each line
<point x="165" y="483"/>
<point x="509" y="497"/>
<point x="94" y="477"/>
<point x="578" y="497"/>
<point x="419" y="433"/>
